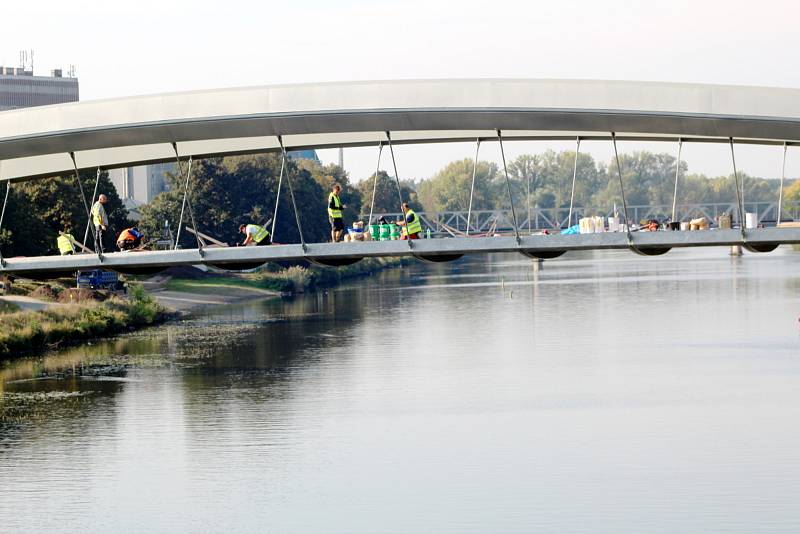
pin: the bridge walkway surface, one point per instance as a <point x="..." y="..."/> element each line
<point x="435" y="250"/>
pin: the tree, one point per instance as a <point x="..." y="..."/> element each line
<point x="791" y="199"/>
<point x="46" y="206"/>
<point x="386" y="198"/>
<point x="449" y="189"/>
<point x="227" y="192"/>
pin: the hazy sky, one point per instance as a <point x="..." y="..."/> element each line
<point x="126" y="48"/>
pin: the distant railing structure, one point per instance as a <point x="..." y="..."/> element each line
<point x="487" y="221"/>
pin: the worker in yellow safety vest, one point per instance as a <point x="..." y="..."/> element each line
<point x="335" y="207"/>
<point x="64" y="242"/>
<point x="412" y="226"/>
<point x="255" y="234"/>
<point x="100" y="221"/>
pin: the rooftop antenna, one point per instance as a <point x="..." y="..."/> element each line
<point x="23" y="56"/>
<point x="71" y="71"/>
<point x="31" y="60"/>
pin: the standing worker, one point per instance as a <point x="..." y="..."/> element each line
<point x="255" y="233"/>
<point x="335" y="213"/>
<point x="100" y="221"/>
<point x="412" y="226"/>
<point x="64" y="242"/>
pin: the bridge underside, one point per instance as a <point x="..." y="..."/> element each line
<point x="543" y="246"/>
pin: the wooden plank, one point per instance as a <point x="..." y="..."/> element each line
<point x="81" y="247"/>
<point x="205" y="237"/>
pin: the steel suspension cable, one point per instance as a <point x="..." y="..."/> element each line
<point x="183" y="204"/>
<point x="375" y="182"/>
<point x="291" y="195"/>
<point x="508" y="185"/>
<point x="739" y="199"/>
<point x="780" y="190"/>
<point x="472" y="187"/>
<point x="83" y="198"/>
<point x="94" y="196"/>
<point x="622" y="190"/>
<point x="574" y="180"/>
<point x="677" y="173"/>
<point x="278" y="196"/>
<point x="399" y="190"/>
<point x="3" y="215"/>
<point x="187" y="201"/>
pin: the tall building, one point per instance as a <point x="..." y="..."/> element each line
<point x="19" y="88"/>
<point x="140" y="185"/>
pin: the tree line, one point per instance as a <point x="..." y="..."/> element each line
<point x="229" y="191"/>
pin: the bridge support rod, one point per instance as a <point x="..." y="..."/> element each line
<point x="739" y="192"/>
<point x="397" y="181"/>
<point x="94" y="196"/>
<point x="622" y="189"/>
<point x="183" y="204"/>
<point x="574" y="179"/>
<point x="780" y="190"/>
<point x="677" y="173"/>
<point x="472" y="187"/>
<point x="291" y="195"/>
<point x="375" y="182"/>
<point x="3" y="215"/>
<point x="508" y="185"/>
<point x="83" y="196"/>
<point x="278" y="196"/>
<point x="188" y="202"/>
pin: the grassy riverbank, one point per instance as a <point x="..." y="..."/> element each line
<point x="66" y="322"/>
<point x="28" y="331"/>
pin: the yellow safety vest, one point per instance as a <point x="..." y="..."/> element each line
<point x="99" y="214"/>
<point x="64" y="242"/>
<point x="334" y="213"/>
<point x="259" y="233"/>
<point x="413" y="227"/>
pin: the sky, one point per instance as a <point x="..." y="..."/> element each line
<point x="125" y="48"/>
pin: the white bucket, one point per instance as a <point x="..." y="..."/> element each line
<point x="750" y="220"/>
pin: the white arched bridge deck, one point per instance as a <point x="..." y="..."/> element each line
<point x="60" y="140"/>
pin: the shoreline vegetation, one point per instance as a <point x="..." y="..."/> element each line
<point x="82" y="319"/>
<point x="26" y="331"/>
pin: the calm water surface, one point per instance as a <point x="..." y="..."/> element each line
<point x="600" y="393"/>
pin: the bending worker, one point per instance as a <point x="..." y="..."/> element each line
<point x="64" y="242"/>
<point x="335" y="213"/>
<point x="255" y="233"/>
<point x="100" y="221"/>
<point x="129" y="239"/>
<point x="412" y="226"/>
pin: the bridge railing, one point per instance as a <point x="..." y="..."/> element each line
<point x="484" y="221"/>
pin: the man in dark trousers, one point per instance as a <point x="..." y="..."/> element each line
<point x="335" y="207"/>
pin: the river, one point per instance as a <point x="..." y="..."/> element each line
<point x="601" y="392"/>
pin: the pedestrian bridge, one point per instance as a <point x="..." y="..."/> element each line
<point x="432" y="250"/>
<point x="62" y="139"/>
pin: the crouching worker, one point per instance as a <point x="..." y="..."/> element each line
<point x="129" y="239"/>
<point x="64" y="242"/>
<point x="412" y="226"/>
<point x="255" y="234"/>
